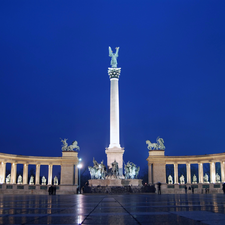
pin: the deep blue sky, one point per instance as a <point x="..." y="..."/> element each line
<point x="54" y="82"/>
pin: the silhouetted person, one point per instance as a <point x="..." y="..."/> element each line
<point x="224" y="188"/>
<point x="50" y="190"/>
<point x="185" y="189"/>
<point x="192" y="189"/>
<point x="159" y="188"/>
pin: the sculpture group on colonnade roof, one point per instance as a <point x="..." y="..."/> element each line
<point x="156" y="146"/>
<point x="99" y="171"/>
<point x="65" y="146"/>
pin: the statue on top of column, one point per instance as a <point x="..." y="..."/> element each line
<point x="114" y="57"/>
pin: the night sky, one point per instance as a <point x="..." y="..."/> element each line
<point x="54" y="82"/>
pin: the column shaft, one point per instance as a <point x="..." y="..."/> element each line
<point x="200" y="173"/>
<point x="150" y="173"/>
<point x="222" y="172"/>
<point x="2" y="176"/>
<point x="13" y="173"/>
<point x="25" y="173"/>
<point x="175" y="173"/>
<point x="188" y="168"/>
<point x="212" y="172"/>
<point x="114" y="114"/>
<point x="37" y="176"/>
<point x="76" y="175"/>
<point x="49" y="174"/>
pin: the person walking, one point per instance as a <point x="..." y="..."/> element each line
<point x="159" y="188"/>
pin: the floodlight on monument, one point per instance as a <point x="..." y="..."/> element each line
<point x="80" y="159"/>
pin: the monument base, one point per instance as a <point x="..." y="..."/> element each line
<point x="115" y="182"/>
<point x="116" y="154"/>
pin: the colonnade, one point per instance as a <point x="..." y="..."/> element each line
<point x="157" y="162"/>
<point x="200" y="172"/>
<point x="68" y="163"/>
<point x="13" y="173"/>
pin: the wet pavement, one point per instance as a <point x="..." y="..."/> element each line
<point x="113" y="209"/>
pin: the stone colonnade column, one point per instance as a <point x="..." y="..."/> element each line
<point x="150" y="173"/>
<point x="25" y="173"/>
<point x="76" y="175"/>
<point x="188" y="168"/>
<point x="200" y="173"/>
<point x="13" y="173"/>
<point x="50" y="174"/>
<point x="222" y="171"/>
<point x="2" y="173"/>
<point x="212" y="173"/>
<point x="37" y="177"/>
<point x="175" y="173"/>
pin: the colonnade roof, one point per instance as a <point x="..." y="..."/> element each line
<point x="42" y="160"/>
<point x="185" y="159"/>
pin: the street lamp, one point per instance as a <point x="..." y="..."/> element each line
<point x="79" y="166"/>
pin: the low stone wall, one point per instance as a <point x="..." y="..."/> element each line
<point x="205" y="188"/>
<point x="36" y="189"/>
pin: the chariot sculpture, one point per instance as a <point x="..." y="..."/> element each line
<point x="156" y="146"/>
<point x="65" y="146"/>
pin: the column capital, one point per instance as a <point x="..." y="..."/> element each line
<point x="114" y="72"/>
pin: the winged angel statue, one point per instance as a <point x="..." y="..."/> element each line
<point x="65" y="146"/>
<point x="114" y="57"/>
<point x="156" y="146"/>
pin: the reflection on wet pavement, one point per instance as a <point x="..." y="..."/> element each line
<point x="113" y="209"/>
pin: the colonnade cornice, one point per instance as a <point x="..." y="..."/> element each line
<point x="36" y="160"/>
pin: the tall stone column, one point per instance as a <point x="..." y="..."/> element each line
<point x="114" y="152"/>
<point x="2" y="173"/>
<point x="200" y="173"/>
<point x="37" y="176"/>
<point x="212" y="172"/>
<point x="25" y="174"/>
<point x="150" y="173"/>
<point x="13" y="173"/>
<point x="175" y="173"/>
<point x="76" y="175"/>
<point x="188" y="168"/>
<point x="49" y="174"/>
<point x="222" y="171"/>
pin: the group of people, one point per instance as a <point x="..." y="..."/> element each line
<point x="52" y="190"/>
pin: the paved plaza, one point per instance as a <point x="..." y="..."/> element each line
<point x="113" y="209"/>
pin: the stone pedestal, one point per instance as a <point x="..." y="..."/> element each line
<point x="115" y="154"/>
<point x="115" y="182"/>
<point x="68" y="168"/>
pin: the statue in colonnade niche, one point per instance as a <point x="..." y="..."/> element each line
<point x="182" y="180"/>
<point x="170" y="179"/>
<point x="8" y="179"/>
<point x="131" y="170"/>
<point x="194" y="179"/>
<point x="156" y="146"/>
<point x="56" y="181"/>
<point x="65" y="146"/>
<point x="31" y="180"/>
<point x="19" y="180"/>
<point x="217" y="178"/>
<point x="206" y="178"/>
<point x="43" y="181"/>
